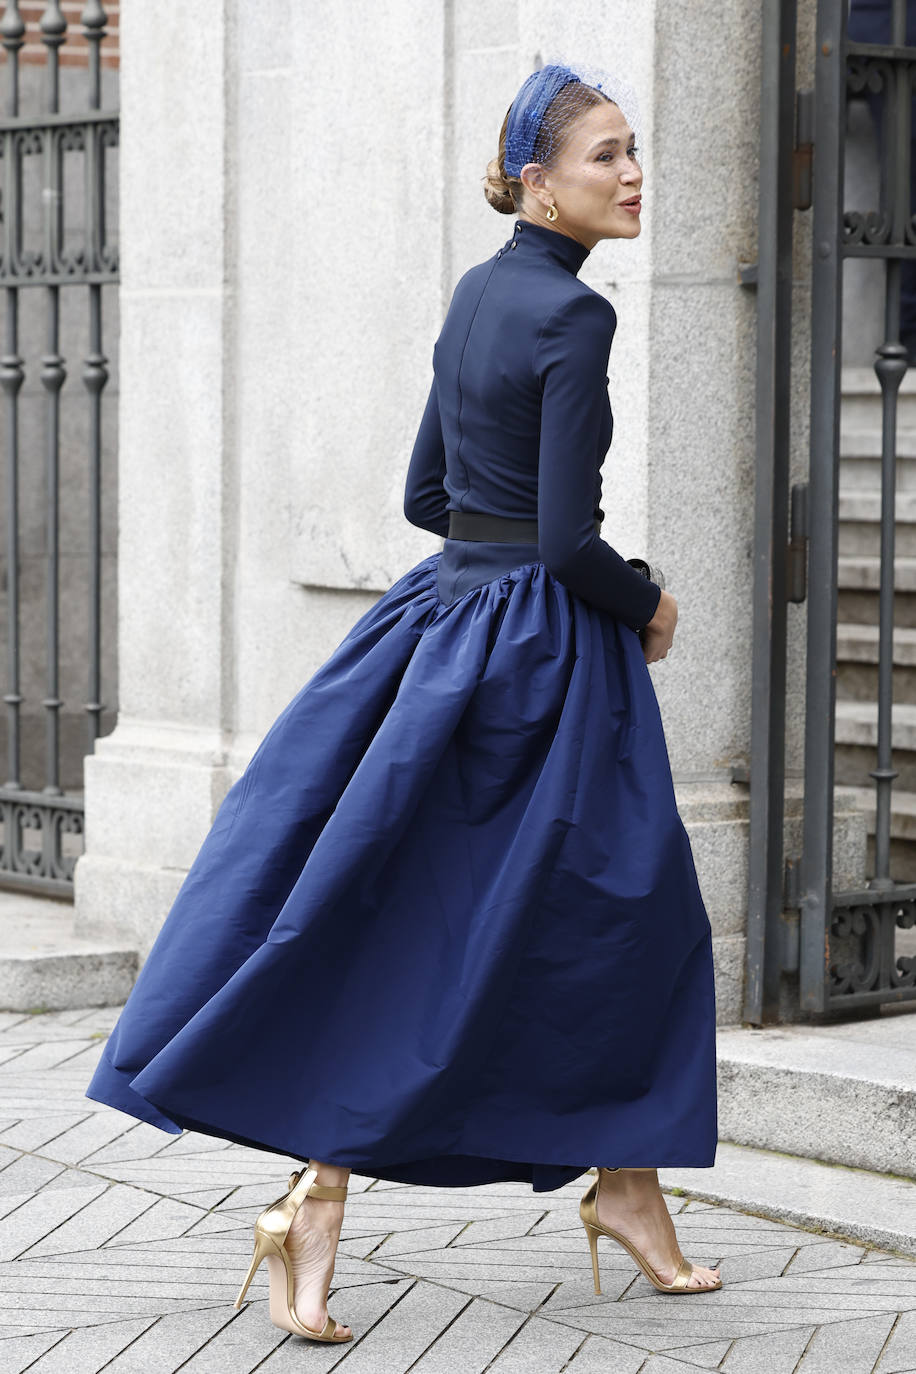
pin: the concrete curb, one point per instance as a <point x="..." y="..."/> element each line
<point x="852" y="1204"/>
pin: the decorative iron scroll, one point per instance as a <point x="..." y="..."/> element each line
<point x="97" y="259"/>
<point x="40" y="865"/>
<point x="894" y="78"/>
<point x="863" y="928"/>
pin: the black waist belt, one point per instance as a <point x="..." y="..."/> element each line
<point x="494" y="529"/>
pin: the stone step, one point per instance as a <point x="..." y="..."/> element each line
<point x="843" y="1093"/>
<point x="903" y="807"/>
<point x="857" y="663"/>
<point x="850" y="1204"/>
<point x="856" y="738"/>
<point x="44" y="965"/>
<point x="902" y="850"/>
<point x="858" y="582"/>
<point x="865" y="473"/>
<point x="861" y="399"/>
<point x="857" y="723"/>
<point x="859" y="532"/>
<point x="860" y="432"/>
<point x="860" y="461"/>
<point x="865" y="441"/>
<point x="859" y="644"/>
<point x="864" y="503"/>
<point x="863" y="571"/>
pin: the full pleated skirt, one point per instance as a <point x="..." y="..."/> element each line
<point x="446" y="927"/>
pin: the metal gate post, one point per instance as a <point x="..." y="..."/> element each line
<point x="826" y="352"/>
<point x="771" y="506"/>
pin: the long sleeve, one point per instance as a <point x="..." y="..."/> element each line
<point x="571" y="357"/>
<point x="425" y="498"/>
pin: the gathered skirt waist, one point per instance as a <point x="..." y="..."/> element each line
<point x="483" y="527"/>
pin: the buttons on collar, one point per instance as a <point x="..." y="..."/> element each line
<point x="559" y="247"/>
<point x="513" y="242"/>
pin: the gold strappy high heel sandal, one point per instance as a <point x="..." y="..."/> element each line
<point x="270" y="1232"/>
<point x="588" y="1211"/>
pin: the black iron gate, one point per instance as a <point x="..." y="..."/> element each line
<point x="814" y="951"/>
<point x="43" y="825"/>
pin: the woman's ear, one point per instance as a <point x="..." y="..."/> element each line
<point x="532" y="175"/>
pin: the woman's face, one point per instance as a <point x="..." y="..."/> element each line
<point x="596" y="171"/>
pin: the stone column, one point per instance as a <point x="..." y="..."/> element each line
<point x="152" y="785"/>
<point x="678" y="481"/>
<point x="687" y="436"/>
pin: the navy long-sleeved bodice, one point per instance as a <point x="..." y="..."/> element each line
<point x="518" y="422"/>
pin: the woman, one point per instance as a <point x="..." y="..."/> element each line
<point x="446" y="928"/>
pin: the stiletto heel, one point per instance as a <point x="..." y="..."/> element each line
<point x="261" y="1250"/>
<point x="593" y="1242"/>
<point x="588" y="1211"/>
<point x="270" y="1232"/>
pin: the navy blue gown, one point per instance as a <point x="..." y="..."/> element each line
<point x="446" y="928"/>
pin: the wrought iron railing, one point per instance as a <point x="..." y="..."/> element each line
<point x="41" y="823"/>
<point x="814" y="949"/>
<point x="848" y="956"/>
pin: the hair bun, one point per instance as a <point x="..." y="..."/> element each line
<point x="497" y="188"/>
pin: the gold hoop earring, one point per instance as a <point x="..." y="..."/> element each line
<point x="552" y="213"/>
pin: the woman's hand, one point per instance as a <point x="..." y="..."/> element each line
<point x="659" y="631"/>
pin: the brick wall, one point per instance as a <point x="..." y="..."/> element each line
<point x="73" y="52"/>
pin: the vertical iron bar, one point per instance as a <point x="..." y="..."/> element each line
<point x="95" y="373"/>
<point x="898" y="23"/>
<point x="53" y="29"/>
<point x="771" y="509"/>
<point x="12" y="375"/>
<point x="891" y="366"/>
<point x="823" y="482"/>
<point x="93" y="20"/>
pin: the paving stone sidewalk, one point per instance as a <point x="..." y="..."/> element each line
<point x="122" y="1249"/>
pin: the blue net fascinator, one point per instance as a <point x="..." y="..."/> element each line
<point x="535" y="95"/>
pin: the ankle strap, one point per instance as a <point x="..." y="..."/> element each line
<point x="633" y="1168"/>
<point x="328" y="1190"/>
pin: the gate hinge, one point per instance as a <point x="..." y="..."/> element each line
<point x="791" y="883"/>
<point x="797" y="550"/>
<point x="803" y="151"/>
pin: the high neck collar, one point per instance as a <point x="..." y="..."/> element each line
<point x="538" y="238"/>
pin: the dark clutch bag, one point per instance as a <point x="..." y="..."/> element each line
<point x="652" y="573"/>
<point x="647" y="570"/>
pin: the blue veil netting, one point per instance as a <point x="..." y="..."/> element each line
<point x="538" y="90"/>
